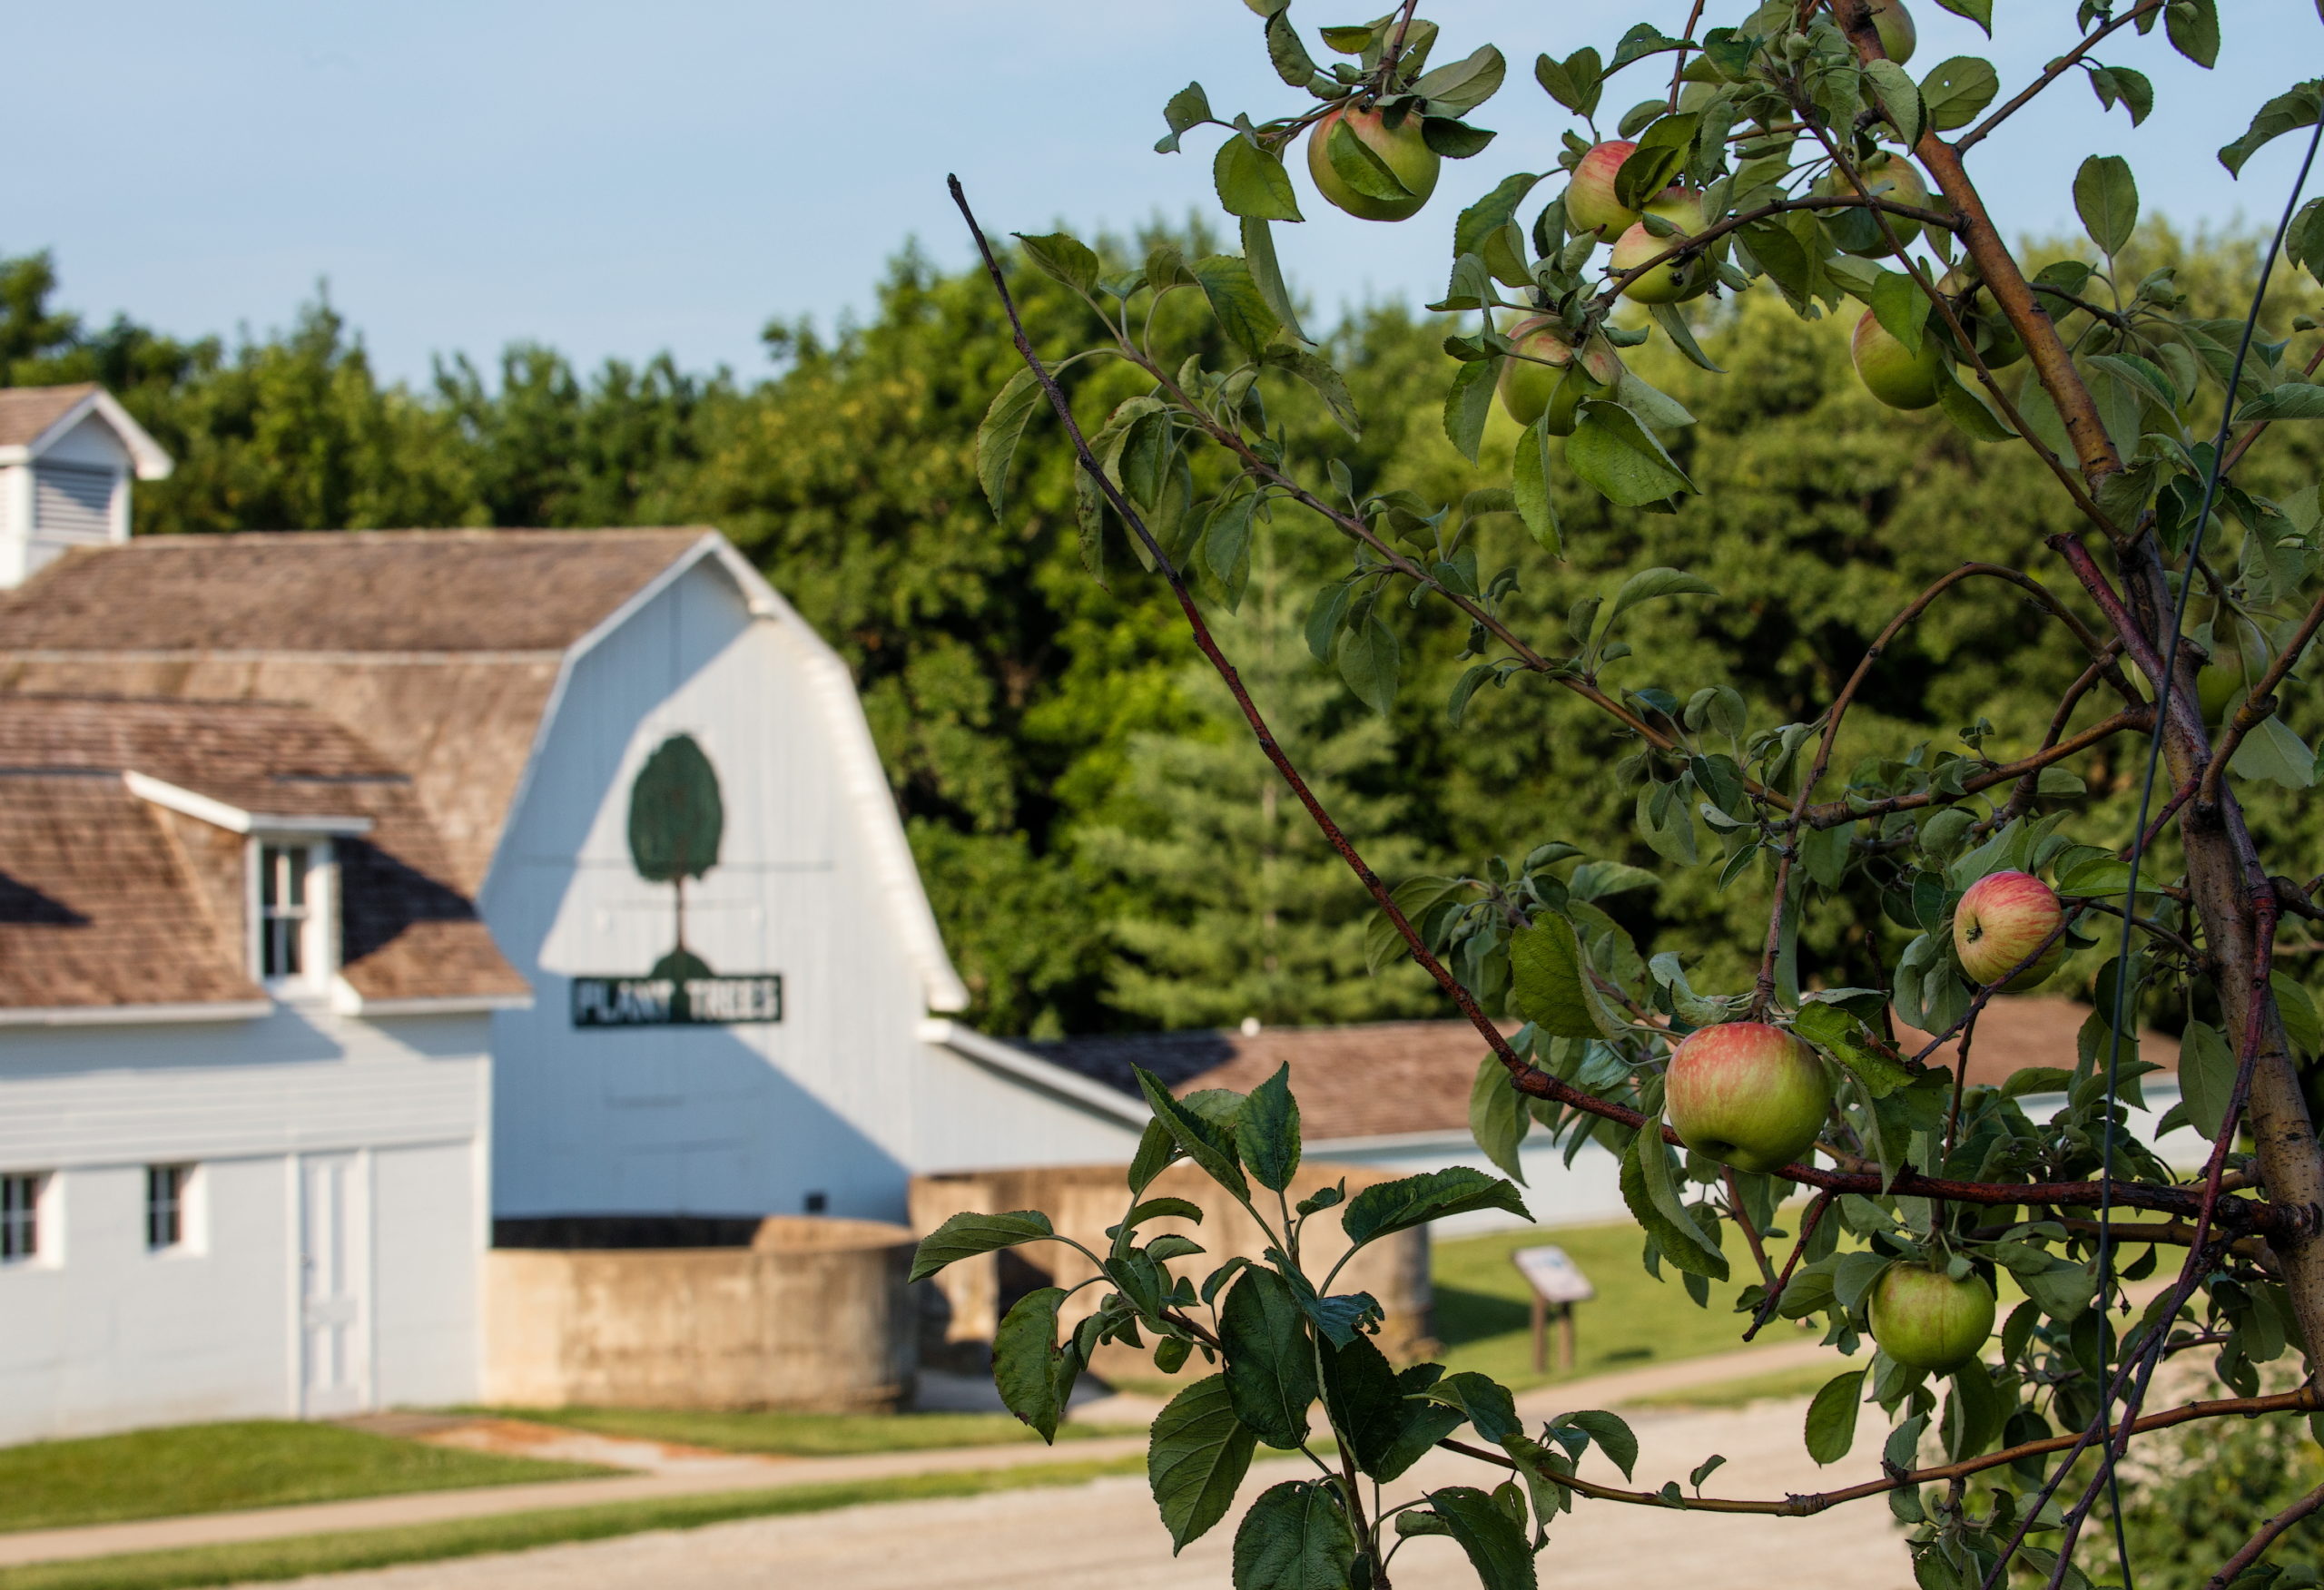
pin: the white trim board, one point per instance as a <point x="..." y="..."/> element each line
<point x="234" y="818"/>
<point x="133" y="1014"/>
<point x="1020" y="1067"/>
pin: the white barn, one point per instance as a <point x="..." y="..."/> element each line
<point x="336" y="924"/>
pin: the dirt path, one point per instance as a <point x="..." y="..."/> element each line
<point x="1105" y="1534"/>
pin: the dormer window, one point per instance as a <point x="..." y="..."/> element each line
<point x="285" y="915"/>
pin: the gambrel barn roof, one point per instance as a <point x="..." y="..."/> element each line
<point x="441" y="652"/>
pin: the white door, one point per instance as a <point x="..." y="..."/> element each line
<point x="335" y="1369"/>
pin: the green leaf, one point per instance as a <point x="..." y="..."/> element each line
<point x="1485" y="1403"/>
<point x="1370" y="661"/>
<point x="1530" y="480"/>
<point x="1267" y="1133"/>
<point x="1025" y="1359"/>
<point x="1498" y="1118"/>
<point x="2292" y="400"/>
<point x="1549" y="983"/>
<point x="2272" y="751"/>
<point x="1651" y="1192"/>
<point x="1186" y="108"/>
<point x="966" y="1235"/>
<point x="1324" y="618"/>
<point x="1847" y="1040"/>
<point x="1162" y="1208"/>
<point x="1893" y="88"/>
<point x="1489" y="214"/>
<point x="1292" y="62"/>
<point x="1612" y="1433"/>
<point x="2192" y="27"/>
<point x="2106" y="197"/>
<point x="1957" y="90"/>
<point x="1415" y="897"/>
<point x="1660" y="155"/>
<point x="996" y="438"/>
<point x="1227" y="544"/>
<point x="1619" y="458"/>
<point x="1831" y="1418"/>
<point x="1900" y="307"/>
<point x="2298" y="106"/>
<point x="1460" y="87"/>
<point x="1969" y="413"/>
<point x="1387" y="1207"/>
<point x="1673" y="321"/>
<point x="1574" y="81"/>
<point x="1980" y="12"/>
<point x="1467" y="406"/>
<point x="1296" y="1537"/>
<point x="1235" y="298"/>
<point x="1266" y="272"/>
<point x="1270" y="1361"/>
<point x="1198" y="1139"/>
<point x="2207" y="1067"/>
<point x="1197" y="1457"/>
<point x="2111" y="83"/>
<point x="1496" y="1548"/>
<point x="1156" y="1148"/>
<point x="1648" y="585"/>
<point x="1319" y="374"/>
<point x="1359" y="168"/>
<point x="2297" y="1007"/>
<point x="1062" y="258"/>
<point x="1252" y="184"/>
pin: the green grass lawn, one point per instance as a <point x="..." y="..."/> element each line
<point x="803" y="1435"/>
<point x="1483" y="1320"/>
<point x="256" y="1561"/>
<point x="1780" y="1386"/>
<point x="215" y="1468"/>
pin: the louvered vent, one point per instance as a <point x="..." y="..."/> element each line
<point x="71" y="502"/>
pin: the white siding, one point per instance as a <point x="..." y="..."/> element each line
<point x="102" y="1334"/>
<point x="840" y="1097"/>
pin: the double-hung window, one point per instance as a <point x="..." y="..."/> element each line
<point x="20" y="1216"/>
<point x="168" y="1189"/>
<point x="283" y="906"/>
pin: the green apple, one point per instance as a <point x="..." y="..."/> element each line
<point x="1892" y="372"/>
<point x="1886" y="176"/>
<point x="1401" y="149"/>
<point x="1673" y="279"/>
<point x="1747" y="1095"/>
<point x="1589" y="202"/>
<point x="1549" y="383"/>
<point x="1894" y="23"/>
<point x="1925" y="1320"/>
<point x="1995" y="339"/>
<point x="2001" y="920"/>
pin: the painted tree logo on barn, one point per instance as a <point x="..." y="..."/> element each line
<point x="676" y="821"/>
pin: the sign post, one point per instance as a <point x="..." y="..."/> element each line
<point x="1556" y="1282"/>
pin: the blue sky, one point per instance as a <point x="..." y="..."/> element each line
<point x="621" y="180"/>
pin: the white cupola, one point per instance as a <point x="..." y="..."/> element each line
<point x="67" y="457"/>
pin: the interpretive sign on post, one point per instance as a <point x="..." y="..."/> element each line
<point x="1557" y="1283"/>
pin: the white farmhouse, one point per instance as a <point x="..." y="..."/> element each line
<point x="358" y="889"/>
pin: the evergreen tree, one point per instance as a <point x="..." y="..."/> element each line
<point x="1229" y="904"/>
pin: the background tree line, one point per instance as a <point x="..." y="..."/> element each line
<point x="1073" y="787"/>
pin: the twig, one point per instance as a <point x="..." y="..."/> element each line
<point x="2255" y="1547"/>
<point x="2304" y="1399"/>
<point x="1832" y="813"/>
<point x="2057" y="69"/>
<point x="1768" y="1304"/>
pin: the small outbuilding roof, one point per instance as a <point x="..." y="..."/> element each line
<point x="123" y="864"/>
<point x="1393" y="1079"/>
<point x="32" y="418"/>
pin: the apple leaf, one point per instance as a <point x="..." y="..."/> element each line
<point x="1188" y="109"/>
<point x="1529" y="483"/>
<point x="2274" y="752"/>
<point x="1295" y="1534"/>
<point x="2298" y="106"/>
<point x="1901" y="307"/>
<point x="1270" y="1362"/>
<point x="1489" y="214"/>
<point x="966" y="1235"/>
<point x="1062" y="258"/>
<point x="1198" y="1137"/>
<point x="1460" y="87"/>
<point x="1196" y="1459"/>
<point x="1289" y="56"/>
<point x="1619" y="457"/>
<point x="1849" y="1041"/>
<point x="1319" y="373"/>
<point x="1026" y="1360"/>
<point x="1980" y="12"/>
<point x="1662" y="149"/>
<point x="2136" y="94"/>
<point x="1498" y="1118"/>
<point x="1468" y="405"/>
<point x="1651" y="1192"/>
<point x="2192" y="27"/>
<point x="1611" y="1431"/>
<point x="1969" y="415"/>
<point x="1574" y="81"/>
<point x="2106" y="197"/>
<point x="1831" y="1418"/>
<point x="1359" y="168"/>
<point x="1370" y="661"/>
<point x="1235" y="298"/>
<point x="1550" y="981"/>
<point x="1496" y="1548"/>
<point x="1267" y="273"/>
<point x="1893" y="88"/>
<point x="997" y="437"/>
<point x="1648" y="585"/>
<point x="1955" y="90"/>
<point x="1250" y="182"/>
<point x="1388" y="1207"/>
